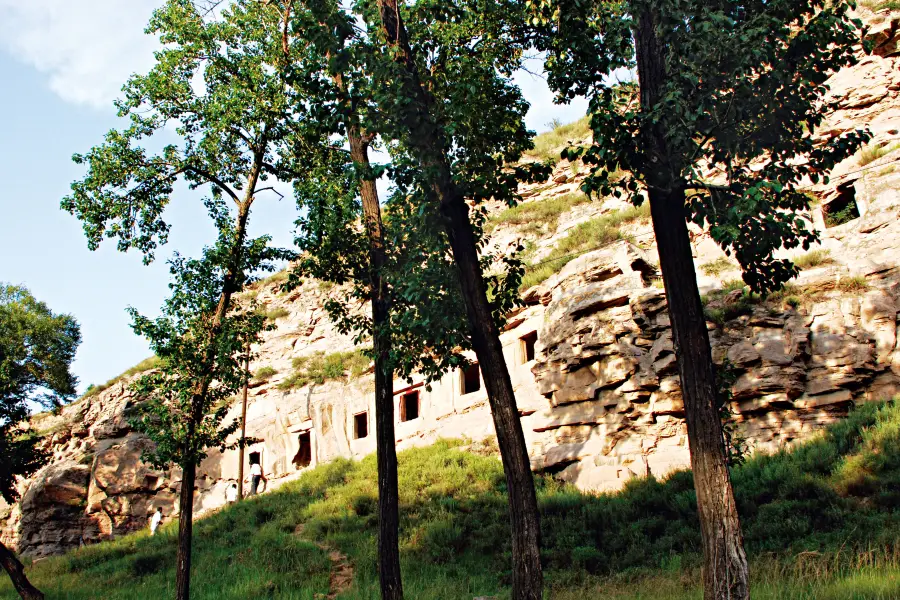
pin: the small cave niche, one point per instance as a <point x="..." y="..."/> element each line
<point x="528" y="341"/>
<point x="360" y="425"/>
<point x="409" y="406"/>
<point x="303" y="458"/>
<point x="843" y="208"/>
<point x="471" y="379"/>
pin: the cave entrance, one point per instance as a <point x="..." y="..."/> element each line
<point x="471" y="379"/>
<point x="409" y="406"/>
<point x="843" y="208"/>
<point x="303" y="458"/>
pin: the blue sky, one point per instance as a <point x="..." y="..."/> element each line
<point x="61" y="64"/>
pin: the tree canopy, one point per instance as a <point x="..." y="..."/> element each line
<point x="37" y="348"/>
<point x="742" y="94"/>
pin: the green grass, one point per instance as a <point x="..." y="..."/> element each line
<point x="585" y="237"/>
<point x="720" y="309"/>
<point x="819" y="521"/>
<point x="538" y="216"/>
<point x="876" y="5"/>
<point x="547" y="146"/>
<point x="275" y="313"/>
<point x="873" y="152"/>
<point x="147" y="364"/>
<point x="716" y="267"/>
<point x="814" y="258"/>
<point x="264" y="373"/>
<point x="320" y="367"/>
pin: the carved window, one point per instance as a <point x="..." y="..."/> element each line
<point x="360" y="425"/>
<point x="409" y="406"/>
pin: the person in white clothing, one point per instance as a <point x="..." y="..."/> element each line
<point x="231" y="493"/>
<point x="256" y="474"/>
<point x="155" y="520"/>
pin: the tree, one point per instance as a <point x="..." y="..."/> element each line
<point x="718" y="133"/>
<point x="343" y="238"/>
<point x="221" y="86"/>
<point x="37" y="348"/>
<point x="435" y="89"/>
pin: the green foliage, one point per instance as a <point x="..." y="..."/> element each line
<point x="814" y="258"/>
<point x="819" y="518"/>
<point x="320" y="367"/>
<point x="151" y="362"/>
<point x="200" y="360"/>
<point x="547" y="145"/>
<point x="37" y="348"/>
<point x="716" y="267"/>
<point x="844" y="215"/>
<point x="742" y="93"/>
<point x="264" y="373"/>
<point x="587" y="236"/>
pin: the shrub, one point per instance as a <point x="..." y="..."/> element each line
<point x="717" y="267"/>
<point x="276" y="313"/>
<point x="813" y="258"/>
<point x="857" y="283"/>
<point x="320" y="367"/>
<point x="873" y="152"/>
<point x="264" y="373"/>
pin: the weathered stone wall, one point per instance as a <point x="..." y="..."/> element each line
<point x="600" y="401"/>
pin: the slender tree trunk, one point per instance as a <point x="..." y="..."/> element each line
<point x="229" y="287"/>
<point x="385" y="438"/>
<point x="240" y="493"/>
<point x="17" y="573"/>
<point x="428" y="142"/>
<point x="185" y="527"/>
<point x="725" y="571"/>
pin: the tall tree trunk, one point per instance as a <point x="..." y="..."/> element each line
<point x="17" y="573"/>
<point x="240" y="484"/>
<point x="428" y="142"/>
<point x="725" y="571"/>
<point x="229" y="287"/>
<point x="385" y="438"/>
<point x="185" y="527"/>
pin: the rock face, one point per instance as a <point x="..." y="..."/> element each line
<point x="590" y="355"/>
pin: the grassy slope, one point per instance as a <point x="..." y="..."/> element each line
<point x="819" y="523"/>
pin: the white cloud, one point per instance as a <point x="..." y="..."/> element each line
<point x="86" y="48"/>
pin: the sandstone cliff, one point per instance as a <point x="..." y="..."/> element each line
<point x="590" y="355"/>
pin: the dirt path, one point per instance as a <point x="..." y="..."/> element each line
<point x="341" y="576"/>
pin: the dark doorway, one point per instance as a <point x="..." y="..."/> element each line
<point x="303" y="458"/>
<point x="409" y="406"/>
<point x="471" y="379"/>
<point x="360" y="425"/>
<point x="528" y="341"/>
<point x="842" y="209"/>
<point x="254" y="458"/>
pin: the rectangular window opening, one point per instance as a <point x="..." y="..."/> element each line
<point x="471" y="380"/>
<point x="528" y="341"/>
<point x="303" y="458"/>
<point x="409" y="406"/>
<point x="360" y="425"/>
